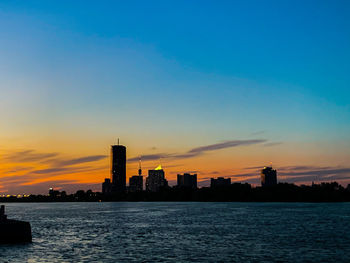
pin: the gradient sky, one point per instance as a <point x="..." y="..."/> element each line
<point x="220" y="88"/>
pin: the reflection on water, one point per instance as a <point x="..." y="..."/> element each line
<point x="182" y="232"/>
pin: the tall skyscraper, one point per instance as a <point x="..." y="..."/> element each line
<point x="156" y="180"/>
<point x="268" y="176"/>
<point x="187" y="180"/>
<point x="118" y="168"/>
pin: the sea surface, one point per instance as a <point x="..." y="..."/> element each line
<point x="182" y="232"/>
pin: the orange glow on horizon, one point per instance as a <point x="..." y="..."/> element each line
<point x="27" y="171"/>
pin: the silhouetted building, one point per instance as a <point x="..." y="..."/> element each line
<point x="187" y="180"/>
<point x="220" y="181"/>
<point x="136" y="183"/>
<point x="118" y="168"/>
<point x="54" y="193"/>
<point x="156" y="180"/>
<point x="106" y="186"/>
<point x="268" y="176"/>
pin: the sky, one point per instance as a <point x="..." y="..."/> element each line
<point x="217" y="88"/>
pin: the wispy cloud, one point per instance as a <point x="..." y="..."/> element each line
<point x="199" y="150"/>
<point x="40" y="167"/>
<point x="45" y="173"/>
<point x="321" y="172"/>
<point x="223" y="145"/>
<point x="80" y="160"/>
<point x="28" y="156"/>
<point x="149" y="157"/>
<point x="17" y="169"/>
<point x="187" y="171"/>
<point x="253" y="167"/>
<point x="304" y="173"/>
<point x="54" y="158"/>
<point x="269" y="144"/>
<point x="305" y="168"/>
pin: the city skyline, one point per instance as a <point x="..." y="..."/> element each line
<point x="288" y="174"/>
<point x="216" y="89"/>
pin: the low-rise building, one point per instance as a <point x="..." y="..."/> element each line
<point x="187" y="180"/>
<point x="220" y="181"/>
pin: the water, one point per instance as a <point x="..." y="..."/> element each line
<point x="182" y="232"/>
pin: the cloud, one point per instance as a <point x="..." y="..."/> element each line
<point x="28" y="156"/>
<point x="184" y="155"/>
<point x="51" y="170"/>
<point x="321" y="172"/>
<point x="53" y="166"/>
<point x="182" y="172"/>
<point x="17" y="170"/>
<point x="223" y="145"/>
<point x="45" y="173"/>
<point x="293" y="174"/>
<point x="245" y="175"/>
<point x="148" y="157"/>
<point x="80" y="160"/>
<point x="308" y="170"/>
<point x="305" y="173"/>
<point x="198" y="150"/>
<point x="306" y="167"/>
<point x="62" y="170"/>
<point x="39" y="167"/>
<point x="269" y="144"/>
<point x="31" y="156"/>
<point x="254" y="167"/>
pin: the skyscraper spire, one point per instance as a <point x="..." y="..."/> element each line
<point x="140" y="169"/>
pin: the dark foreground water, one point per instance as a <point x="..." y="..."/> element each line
<point x="182" y="232"/>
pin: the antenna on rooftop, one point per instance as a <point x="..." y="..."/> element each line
<point x="118" y="141"/>
<point x="140" y="169"/>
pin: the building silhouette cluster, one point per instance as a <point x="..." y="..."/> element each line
<point x="156" y="180"/>
<point x="235" y="192"/>
<point x="155" y="187"/>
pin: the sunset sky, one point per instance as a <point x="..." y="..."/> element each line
<point x="220" y="88"/>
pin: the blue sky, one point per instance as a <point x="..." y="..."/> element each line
<point x="193" y="72"/>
